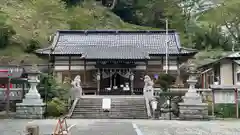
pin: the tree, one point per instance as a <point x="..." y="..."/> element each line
<point x="35" y="19"/>
<point x="226" y="16"/>
<point x="49" y="88"/>
<point x="6" y="31"/>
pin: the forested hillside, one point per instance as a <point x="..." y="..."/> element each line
<point x="26" y="25"/>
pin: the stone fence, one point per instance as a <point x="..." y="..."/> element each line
<point x="14" y="94"/>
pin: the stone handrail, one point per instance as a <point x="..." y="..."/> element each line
<point x="186" y="89"/>
<point x="14" y="94"/>
<point x="157" y="91"/>
<point x="147" y="102"/>
<point x="72" y="107"/>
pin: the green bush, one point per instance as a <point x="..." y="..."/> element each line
<point x="56" y="108"/>
<point x="165" y="81"/>
<point x="225" y="110"/>
<point x="49" y="88"/>
<point x="32" y="46"/>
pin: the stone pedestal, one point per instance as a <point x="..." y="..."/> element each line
<point x="32" y="106"/>
<point x="193" y="107"/>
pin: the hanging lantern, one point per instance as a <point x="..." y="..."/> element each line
<point x="98" y="76"/>
<point x="131" y="77"/>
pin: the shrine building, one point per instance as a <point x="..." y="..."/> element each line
<point x="114" y="60"/>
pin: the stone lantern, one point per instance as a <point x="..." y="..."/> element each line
<point x="32" y="105"/>
<point x="192" y="106"/>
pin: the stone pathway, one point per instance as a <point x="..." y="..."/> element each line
<point x="128" y="127"/>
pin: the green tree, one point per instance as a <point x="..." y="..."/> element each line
<point x="35" y="19"/>
<point x="226" y="16"/>
<point x="165" y="81"/>
<point x="49" y="88"/>
<point x="6" y="31"/>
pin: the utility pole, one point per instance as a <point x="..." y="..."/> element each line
<point x="166" y="46"/>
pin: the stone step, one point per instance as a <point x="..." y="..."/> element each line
<point x="112" y="108"/>
<point x="133" y="102"/>
<point x="92" y="106"/>
<point x="108" y="117"/>
<point x="109" y="114"/>
<point x="120" y="108"/>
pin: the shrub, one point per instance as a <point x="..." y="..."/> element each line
<point x="49" y="88"/>
<point x="225" y="110"/>
<point x="32" y="46"/>
<point x="165" y="81"/>
<point x="55" y="108"/>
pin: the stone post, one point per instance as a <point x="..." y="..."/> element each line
<point x="32" y="130"/>
<point x="32" y="105"/>
<point x="154" y="104"/>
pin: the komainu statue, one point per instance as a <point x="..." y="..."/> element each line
<point x="148" y="87"/>
<point x="76" y="90"/>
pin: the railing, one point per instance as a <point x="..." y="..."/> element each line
<point x="14" y="94"/>
<point x="73" y="105"/>
<point x="157" y="91"/>
<point x="136" y="91"/>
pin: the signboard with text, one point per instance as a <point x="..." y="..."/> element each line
<point x="224" y="97"/>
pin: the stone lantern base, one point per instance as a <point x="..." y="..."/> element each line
<point x="193" y="111"/>
<point x="27" y="110"/>
<point x="193" y="108"/>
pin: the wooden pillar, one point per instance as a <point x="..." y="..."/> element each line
<point x="178" y="70"/>
<point x="236" y="103"/>
<point x="69" y="66"/>
<point x="162" y="63"/>
<point x="233" y="74"/>
<point x="52" y="64"/>
<point x="23" y="90"/>
<point x="85" y="70"/>
<point x="146" y="63"/>
<point x="111" y="78"/>
<point x="98" y="81"/>
<point x="213" y="102"/>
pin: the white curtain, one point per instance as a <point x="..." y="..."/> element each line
<point x="107" y="74"/>
<point x="124" y="74"/>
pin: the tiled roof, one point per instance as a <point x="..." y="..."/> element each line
<point x="234" y="55"/>
<point x="115" y="44"/>
<point x="237" y="61"/>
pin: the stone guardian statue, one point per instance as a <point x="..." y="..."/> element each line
<point x="76" y="90"/>
<point x="148" y="87"/>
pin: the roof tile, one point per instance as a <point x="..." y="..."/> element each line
<point x="115" y="44"/>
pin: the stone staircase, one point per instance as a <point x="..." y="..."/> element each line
<point x="121" y="108"/>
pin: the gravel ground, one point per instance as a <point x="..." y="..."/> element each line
<point x="127" y="127"/>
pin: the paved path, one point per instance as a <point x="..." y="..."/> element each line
<point x="128" y="127"/>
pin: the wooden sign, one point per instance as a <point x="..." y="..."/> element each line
<point x="224" y="97"/>
<point x="106" y="103"/>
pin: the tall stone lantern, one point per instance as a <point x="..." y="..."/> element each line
<point x="192" y="106"/>
<point x="32" y="105"/>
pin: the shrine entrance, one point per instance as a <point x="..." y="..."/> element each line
<point x="116" y="82"/>
<point x="115" y="77"/>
